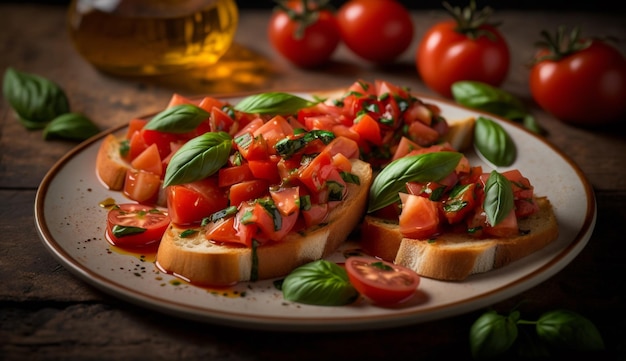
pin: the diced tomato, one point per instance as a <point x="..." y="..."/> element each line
<point x="264" y="169"/>
<point x="506" y="228"/>
<point x="385" y="87"/>
<point x="345" y="146"/>
<point x="178" y="99"/>
<point x="273" y="225"/>
<point x="418" y="112"/>
<point x="405" y="146"/>
<point x="161" y="139"/>
<point x="247" y="191"/>
<point x="220" y="121"/>
<point x="461" y="201"/>
<point x="419" y="218"/>
<point x="149" y="160"/>
<point x="251" y="147"/>
<point x="230" y="175"/>
<point x="250" y="127"/>
<point x="142" y="186"/>
<point x="286" y="199"/>
<point x="135" y="125"/>
<point x="208" y="103"/>
<point x="422" y="134"/>
<point x="190" y="203"/>
<point x="274" y="130"/>
<point x="523" y="193"/>
<point x="342" y="162"/>
<point x="245" y="224"/>
<point x="315" y="173"/>
<point x="136" y="146"/>
<point x="222" y="230"/>
<point x="315" y="215"/>
<point x="368" y="129"/>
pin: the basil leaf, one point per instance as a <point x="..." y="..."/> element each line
<point x="494" y="143"/>
<point x="499" y="201"/>
<point x="121" y="231"/>
<point x="481" y="96"/>
<point x="71" y="126"/>
<point x="273" y="103"/>
<point x="198" y="158"/>
<point x="35" y="100"/>
<point x="492" y="334"/>
<point x="321" y="283"/>
<point x="569" y="330"/>
<point x="180" y="118"/>
<point x="418" y="168"/>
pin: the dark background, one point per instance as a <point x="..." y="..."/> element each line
<point x="596" y="5"/>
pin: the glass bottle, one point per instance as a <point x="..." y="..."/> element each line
<point x="152" y="37"/>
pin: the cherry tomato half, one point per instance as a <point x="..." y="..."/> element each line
<point x="384" y="283"/>
<point x="376" y="30"/>
<point x="131" y="225"/>
<point x="304" y="44"/>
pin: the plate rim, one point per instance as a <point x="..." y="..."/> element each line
<point x="329" y="324"/>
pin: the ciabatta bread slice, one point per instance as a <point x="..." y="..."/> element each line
<point x="203" y="262"/>
<point x="455" y="256"/>
<point x="110" y="166"/>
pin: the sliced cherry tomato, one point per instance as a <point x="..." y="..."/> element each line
<point x="376" y="30"/>
<point x="584" y="84"/>
<point x="132" y="225"/>
<point x="382" y="282"/>
<point x="305" y="36"/>
<point x="462" y="49"/>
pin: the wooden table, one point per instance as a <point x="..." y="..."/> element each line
<point x="46" y="313"/>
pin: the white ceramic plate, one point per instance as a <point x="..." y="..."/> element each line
<point x="71" y="225"/>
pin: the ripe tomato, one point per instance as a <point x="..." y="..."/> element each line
<point x="305" y="36"/>
<point x="190" y="203"/>
<point x="462" y="49"/>
<point x="132" y="225"/>
<point x="583" y="85"/>
<point x="376" y="30"/>
<point x="382" y="282"/>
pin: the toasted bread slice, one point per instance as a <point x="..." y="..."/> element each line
<point x="203" y="262"/>
<point x="110" y="166"/>
<point x="455" y="256"/>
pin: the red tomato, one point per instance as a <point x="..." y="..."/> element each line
<point x="382" y="282"/>
<point x="419" y="218"/>
<point x="142" y="186"/>
<point x="305" y="45"/>
<point x="136" y="225"/>
<point x="376" y="30"/>
<point x="190" y="203"/>
<point x="585" y="87"/>
<point x="149" y="160"/>
<point x="450" y="51"/>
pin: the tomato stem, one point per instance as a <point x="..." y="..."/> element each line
<point x="470" y="20"/>
<point x="304" y="12"/>
<point x="561" y="45"/>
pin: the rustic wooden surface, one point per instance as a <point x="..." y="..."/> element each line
<point x="47" y="314"/>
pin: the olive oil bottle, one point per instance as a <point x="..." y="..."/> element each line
<point x="152" y="37"/>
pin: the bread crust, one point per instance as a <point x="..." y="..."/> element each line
<point x="202" y="262"/>
<point x="455" y="256"/>
<point x="110" y="167"/>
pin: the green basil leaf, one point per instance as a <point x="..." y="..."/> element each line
<point x="499" y="200"/>
<point x="273" y="103"/>
<point x="122" y="231"/>
<point x="494" y="143"/>
<point x="569" y="330"/>
<point x="71" y="126"/>
<point x="418" y="168"/>
<point x="321" y="283"/>
<point x="492" y="334"/>
<point x="198" y="158"/>
<point x="180" y="118"/>
<point x="35" y="100"/>
<point x="481" y="96"/>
